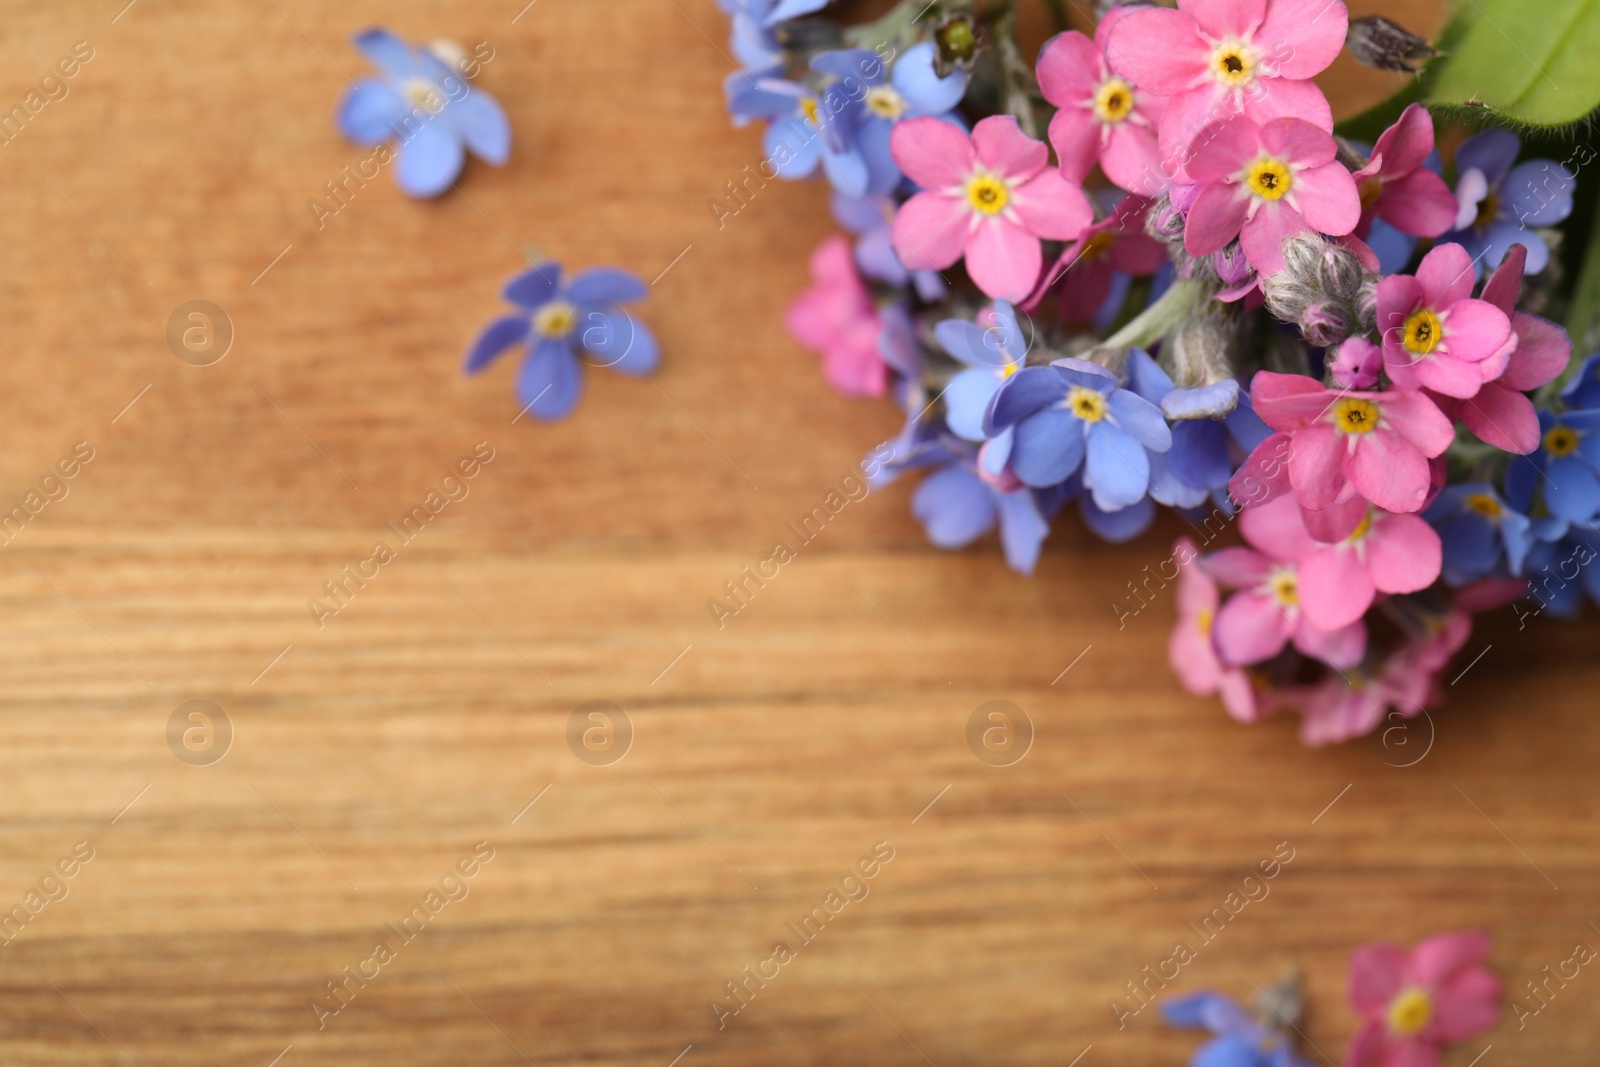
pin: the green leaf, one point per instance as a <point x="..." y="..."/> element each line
<point x="1531" y="61"/>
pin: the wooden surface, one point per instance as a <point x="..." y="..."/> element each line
<point x="769" y="757"/>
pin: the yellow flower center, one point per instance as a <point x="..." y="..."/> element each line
<point x="1484" y="504"/>
<point x="1423" y="332"/>
<point x="1011" y="368"/>
<point x="1355" y="415"/>
<point x="1113" y="102"/>
<point x="1371" y="189"/>
<point x="421" y="93"/>
<point x="1488" y="209"/>
<point x="1204" y="621"/>
<point x="1410" y="1012"/>
<point x="555" y="319"/>
<point x="808" y="108"/>
<point x="1086" y="404"/>
<point x="884" y="102"/>
<point x="1233" y="63"/>
<point x="988" y="194"/>
<point x="1363" y="528"/>
<point x="1561" y="441"/>
<point x="1285" y="588"/>
<point x="1098" y="245"/>
<point x="1270" y="179"/>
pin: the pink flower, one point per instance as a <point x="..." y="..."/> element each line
<point x="1416" y="1002"/>
<point x="1434" y="334"/>
<point x="1345" y="444"/>
<point x="1397" y="188"/>
<point x="1257" y="622"/>
<point x="1500" y="414"/>
<point x="1220" y="58"/>
<point x="1190" y="650"/>
<point x="1262" y="184"/>
<point x="1101" y="117"/>
<point x="990" y="197"/>
<point x="837" y="318"/>
<point x="1345" y="706"/>
<point x="1357" y="364"/>
<point x="1089" y="264"/>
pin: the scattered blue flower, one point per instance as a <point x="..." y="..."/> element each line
<point x="558" y="317"/>
<point x="956" y="506"/>
<point x="1480" y="531"/>
<point x="425" y="106"/>
<point x="1241" y="1041"/>
<point x="1499" y="202"/>
<point x="1565" y="467"/>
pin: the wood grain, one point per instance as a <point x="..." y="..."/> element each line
<point x="373" y="755"/>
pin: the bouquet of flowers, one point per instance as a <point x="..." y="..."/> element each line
<point x="1148" y="269"/>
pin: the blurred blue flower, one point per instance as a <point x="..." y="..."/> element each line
<point x="1499" y="202"/>
<point x="754" y="43"/>
<point x="956" y="506"/>
<point x="426" y="106"/>
<point x="1480" y="531"/>
<point x="1561" y="565"/>
<point x="1565" y="467"/>
<point x="992" y="354"/>
<point x="557" y="317"/>
<point x="804" y="129"/>
<point x="1583" y="391"/>
<point x="871" y="219"/>
<point x="1240" y="1040"/>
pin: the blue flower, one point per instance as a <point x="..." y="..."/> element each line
<point x="1566" y="467"/>
<point x="1583" y="391"/>
<point x="1147" y="379"/>
<point x="992" y="355"/>
<point x="752" y="39"/>
<point x="803" y="129"/>
<point x="556" y="317"/>
<point x="1561" y="566"/>
<point x="793" y="9"/>
<point x="1499" y="202"/>
<point x="1240" y="1040"/>
<point x="1073" y="414"/>
<point x="427" y="107"/>
<point x="871" y="219"/>
<point x="1479" y="531"/>
<point x="956" y="506"/>
<point x="914" y="89"/>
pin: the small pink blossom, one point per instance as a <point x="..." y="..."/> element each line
<point x="1344" y="444"/>
<point x="1435" y="335"/>
<point x="1102" y="118"/>
<point x="1218" y="58"/>
<point x="1396" y="187"/>
<point x="989" y="197"/>
<point x="1262" y="184"/>
<point x="1357" y="364"/>
<point x="1345" y="706"/>
<point x="1190" y="649"/>
<point x="837" y="318"/>
<point x="1415" y="1003"/>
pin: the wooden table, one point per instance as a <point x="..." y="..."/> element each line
<point x="371" y="756"/>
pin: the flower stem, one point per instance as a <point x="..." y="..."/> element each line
<point x="1161" y="318"/>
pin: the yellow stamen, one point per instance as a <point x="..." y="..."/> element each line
<point x="1285" y="588"/>
<point x="1113" y="102"/>
<point x="1233" y="63"/>
<point x="1410" y="1012"/>
<point x="1098" y="245"/>
<point x="1363" y="528"/>
<point x="988" y="194"/>
<point x="1204" y="621"/>
<point x="1270" y="179"/>
<point x="1485" y="504"/>
<point x="1488" y="209"/>
<point x="421" y="93"/>
<point x="1423" y="332"/>
<point x="1561" y="441"/>
<point x="1355" y="415"/>
<point x="555" y="319"/>
<point x="808" y="108"/>
<point x="1010" y="368"/>
<point x="1086" y="404"/>
<point x="1371" y="189"/>
<point x="884" y="102"/>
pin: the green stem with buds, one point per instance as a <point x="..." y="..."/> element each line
<point x="1161" y="318"/>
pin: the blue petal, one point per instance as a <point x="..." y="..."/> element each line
<point x="482" y="124"/>
<point x="793" y="147"/>
<point x="549" y="382"/>
<point x="1141" y="419"/>
<point x="917" y="81"/>
<point x="855" y="65"/>
<point x="1028" y="390"/>
<point x="1022" y="530"/>
<point x="1229" y="1051"/>
<point x="972" y="344"/>
<point x="1048" y="447"/>
<point x="430" y="160"/>
<point x="846" y="171"/>
<point x="387" y="52"/>
<point x="996" y="452"/>
<point x="1167" y="488"/>
<point x="876" y="258"/>
<point x="1082" y="372"/>
<point x="1522" y="478"/>
<point x="874" y="143"/>
<point x="1245" y="426"/>
<point x="619" y="339"/>
<point x="966" y="399"/>
<point x="1116" y="470"/>
<point x="1571" y="489"/>
<point x="954" y="506"/>
<point x="498" y="336"/>
<point x="1121" y="525"/>
<point x="1215" y="401"/>
<point x="1199" y="453"/>
<point x="1584" y="389"/>
<point x="858" y="214"/>
<point x="792" y="9"/>
<point x="1502" y="234"/>
<point x="534" y="287"/>
<point x="1470" y="545"/>
<point x="1516" y="535"/>
<point x="1492" y="151"/>
<point x="1538" y="193"/>
<point x="368" y="112"/>
<point x="1190" y="1010"/>
<point x="607" y="284"/>
<point x="1146" y="378"/>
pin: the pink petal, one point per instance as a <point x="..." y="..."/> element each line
<point x="1222" y="150"/>
<point x="1405" y="145"/>
<point x="1504" y="418"/>
<point x="1474" y="330"/>
<point x="1131" y="158"/>
<point x="1505" y="284"/>
<point x="1447" y="275"/>
<point x="934" y="154"/>
<point x="1003" y="259"/>
<point x="1411" y="1052"/>
<point x="1388" y="470"/>
<point x="1052" y="207"/>
<point x="1225" y="18"/>
<point x="1288" y="401"/>
<point x="1543" y="349"/>
<point x="1468" y="1005"/>
<point x="1442" y="375"/>
<point x="1315" y="468"/>
<point x="1366" y="1048"/>
<point x="1264" y="475"/>
<point x="1262" y="237"/>
<point x="1239" y="568"/>
<point x="1193" y="659"/>
<point x="1215" y="219"/>
<point x="1070" y="69"/>
<point x="1196" y="591"/>
<point x="1398" y="296"/>
<point x="1005" y="149"/>
<point x="930" y="230"/>
<point x="1297" y="141"/>
<point x="1276" y="530"/>
<point x="1403" y="554"/>
<point x="1327" y="198"/>
<point x="1334" y="523"/>
<point x="1420" y="204"/>
<point x="1376" y="973"/>
<point x="1159" y="50"/>
<point x="1340" y="649"/>
<point x="1441" y="957"/>
<point x="1335" y="589"/>
<point x="1417" y="419"/>
<point x="1239" y="697"/>
<point x="1277" y="98"/>
<point x="1193" y="119"/>
<point x="1075" y="135"/>
<point x="1301" y="37"/>
<point x="1250" y="628"/>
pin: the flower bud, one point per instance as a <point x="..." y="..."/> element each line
<point x="1198" y="352"/>
<point x="1366" y="306"/>
<point x="1356" y="364"/>
<point x="1326" y="323"/>
<point x="1341" y="274"/>
<point x="957" y="41"/>
<point x="1232" y="266"/>
<point x="1164" y="221"/>
<point x="1376" y="42"/>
